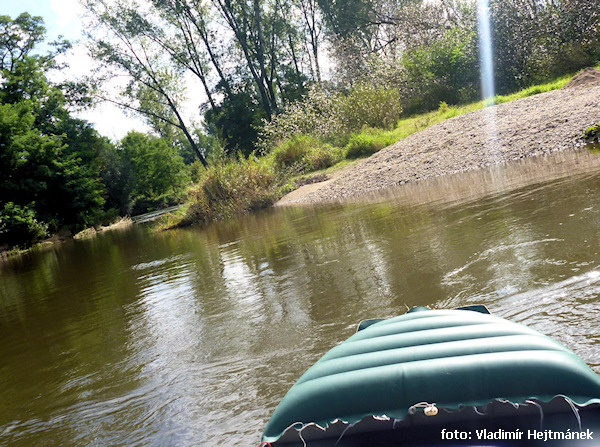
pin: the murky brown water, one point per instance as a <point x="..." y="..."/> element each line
<point x="192" y="337"/>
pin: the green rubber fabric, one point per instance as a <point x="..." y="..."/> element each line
<point x="453" y="358"/>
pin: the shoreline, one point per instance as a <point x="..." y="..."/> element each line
<point x="532" y="126"/>
<point x="59" y="238"/>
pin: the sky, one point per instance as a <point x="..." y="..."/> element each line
<point x="63" y="17"/>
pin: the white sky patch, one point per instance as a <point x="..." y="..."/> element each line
<point x="69" y="16"/>
<point x="108" y="119"/>
<point x="64" y="18"/>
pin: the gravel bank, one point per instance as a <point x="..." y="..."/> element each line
<point x="526" y="127"/>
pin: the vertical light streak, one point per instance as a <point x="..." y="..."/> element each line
<point x="485" y="51"/>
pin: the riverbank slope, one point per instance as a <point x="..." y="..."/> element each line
<point x="526" y="127"/>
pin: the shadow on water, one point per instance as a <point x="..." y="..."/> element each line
<point x="191" y="337"/>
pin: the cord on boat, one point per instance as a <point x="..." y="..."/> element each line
<point x="429" y="409"/>
<point x="345" y="430"/>
<point x="575" y="412"/>
<point x="541" y="412"/>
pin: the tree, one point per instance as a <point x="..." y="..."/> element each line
<point x="534" y="40"/>
<point x="155" y="89"/>
<point x="18" y="38"/>
<point x="446" y="71"/>
<point x="364" y="33"/>
<point x="47" y="169"/>
<point x="156" y="168"/>
<point x="312" y="29"/>
<point x="258" y="49"/>
<point x="235" y="121"/>
<point x="19" y="225"/>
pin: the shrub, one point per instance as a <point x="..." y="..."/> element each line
<point x="229" y="189"/>
<point x="323" y="157"/>
<point x="303" y="153"/>
<point x="445" y="71"/>
<point x="592" y="134"/>
<point x="365" y="144"/>
<point x="333" y="116"/>
<point x="317" y="115"/>
<point x="368" y="105"/>
<point x="293" y="151"/>
<point x="19" y="225"/>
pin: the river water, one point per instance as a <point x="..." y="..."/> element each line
<point x="191" y="337"/>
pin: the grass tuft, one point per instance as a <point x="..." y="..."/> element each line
<point x="231" y="188"/>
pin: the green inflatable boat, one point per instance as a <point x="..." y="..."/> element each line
<point x="441" y="377"/>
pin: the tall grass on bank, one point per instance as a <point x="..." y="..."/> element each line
<point x="303" y="153"/>
<point x="231" y="188"/>
<point x="237" y="186"/>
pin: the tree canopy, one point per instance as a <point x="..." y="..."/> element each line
<point x="56" y="171"/>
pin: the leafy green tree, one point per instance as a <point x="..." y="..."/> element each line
<point x="136" y="47"/>
<point x="116" y="174"/>
<point x="27" y="158"/>
<point x="534" y="40"/>
<point x="19" y="225"/>
<point x="446" y="71"/>
<point x="265" y="51"/>
<point x="47" y="158"/>
<point x="235" y="121"/>
<point x="156" y="167"/>
<point x="18" y="38"/>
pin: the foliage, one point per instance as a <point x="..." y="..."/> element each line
<point x="135" y="48"/>
<point x="429" y="50"/>
<point x="318" y="115"/>
<point x="47" y="162"/>
<point x="368" y="105"/>
<point x="229" y="189"/>
<point x="55" y="170"/>
<point x="235" y="121"/>
<point x="592" y="133"/>
<point x="303" y="153"/>
<point x="156" y="170"/>
<point x="242" y="52"/>
<point x="116" y="174"/>
<point x="367" y="143"/>
<point x="19" y="225"/>
<point x="333" y="116"/>
<point x="534" y="41"/>
<point x="447" y="70"/>
<point x="40" y="168"/>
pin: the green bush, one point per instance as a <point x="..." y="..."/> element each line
<point x="303" y="153"/>
<point x="445" y="71"/>
<point x="532" y="44"/>
<point x="323" y="157"/>
<point x="293" y="151"/>
<point x="332" y="117"/>
<point x="592" y="134"/>
<point x="365" y="144"/>
<point x="19" y="226"/>
<point x="229" y="189"/>
<point x="368" y="105"/>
